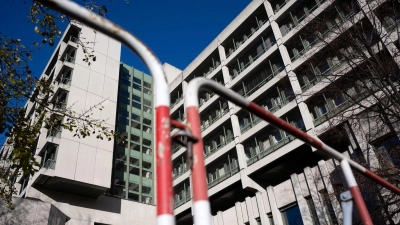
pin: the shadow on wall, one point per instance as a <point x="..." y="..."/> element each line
<point x="103" y="203"/>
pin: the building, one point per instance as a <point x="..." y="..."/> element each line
<point x="86" y="180"/>
<point x="256" y="174"/>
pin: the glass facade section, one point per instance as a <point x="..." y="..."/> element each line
<point x="133" y="170"/>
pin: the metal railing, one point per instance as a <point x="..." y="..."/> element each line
<point x="186" y="197"/>
<point x="223" y="177"/>
<point x="211" y="121"/>
<point x="218" y="147"/>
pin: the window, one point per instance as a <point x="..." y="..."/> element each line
<point x="135" y="124"/>
<point x="135" y="117"/>
<point x="147" y="85"/>
<point x="134" y="161"/>
<point x="292" y="216"/>
<point x="147" y="121"/>
<point x="133" y="186"/>
<point x="387" y="151"/>
<point x="137" y="80"/>
<point x="135" y="138"/>
<point x="136" y="98"/>
<point x="147" y="102"/>
<point x="124" y="93"/>
<point x="134" y="170"/>
<point x="146" y="142"/>
<point x="147" y="165"/>
<point x="146" y="190"/>
<point x="137" y="87"/>
<point x="133" y="196"/>
<point x="136" y="105"/>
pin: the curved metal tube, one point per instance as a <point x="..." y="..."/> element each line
<point x="162" y="101"/>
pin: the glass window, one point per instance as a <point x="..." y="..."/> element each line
<point x="135" y="138"/>
<point x="137" y="80"/>
<point x="124" y="100"/>
<point x="133" y="196"/>
<point x="135" y="146"/>
<point x="125" y="76"/>
<point x="136" y="98"/>
<point x="133" y="186"/>
<point x="135" y="117"/>
<point x="147" y="174"/>
<point x="146" y="121"/>
<point x="124" y="93"/>
<point x="126" y="82"/>
<point x="134" y="170"/>
<point x="292" y="216"/>
<point x="134" y="161"/>
<point x="146" y="190"/>
<point x="146" y="142"/>
<point x="137" y="87"/>
<point x="136" y="105"/>
<point x="147" y="102"/>
<point x="135" y="124"/>
<point x="146" y="165"/>
<point x="147" y="129"/>
<point x="147" y="109"/>
<point x="147" y="85"/>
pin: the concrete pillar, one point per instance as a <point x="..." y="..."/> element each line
<point x="270" y="11"/>
<point x="304" y="210"/>
<point x="239" y="214"/>
<point x="276" y="214"/>
<point x="236" y="128"/>
<point x="277" y="32"/>
<point x="329" y="188"/>
<point x="226" y="76"/>
<point x="319" y="208"/>
<point x="285" y="56"/>
<point x="220" y="218"/>
<point x="221" y="51"/>
<point x="250" y="212"/>
<point x="306" y="116"/>
<point x="184" y="87"/>
<point x="261" y="209"/>
<point x="244" y="212"/>
<point x="241" y="156"/>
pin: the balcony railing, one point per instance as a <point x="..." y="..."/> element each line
<point x="49" y="164"/>
<point x="280" y="5"/>
<point x="241" y="66"/>
<point x="184" y="169"/>
<point x="186" y="198"/>
<point x="246" y="37"/>
<point x="321" y="76"/>
<point x="223" y="177"/>
<point x="65" y="80"/>
<point x="296" y="21"/>
<point x="213" y="120"/>
<point x="204" y="99"/>
<point x="266" y="151"/>
<point x="218" y="147"/>
<point x="60" y="105"/>
<point x="176" y="101"/>
<point x="176" y="147"/>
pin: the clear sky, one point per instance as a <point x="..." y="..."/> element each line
<point x="176" y="30"/>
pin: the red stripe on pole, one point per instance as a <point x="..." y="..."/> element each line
<point x="177" y="124"/>
<point x="164" y="164"/>
<point x="360" y="204"/>
<point x="282" y="124"/>
<point x="199" y="182"/>
<point x="382" y="182"/>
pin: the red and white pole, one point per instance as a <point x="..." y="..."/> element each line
<point x="355" y="192"/>
<point x="201" y="204"/>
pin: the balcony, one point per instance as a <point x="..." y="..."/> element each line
<point x="60" y="101"/>
<point x="175" y="101"/>
<point x="329" y="68"/>
<point x="391" y="24"/>
<point x="218" y="141"/>
<point x="182" y="195"/>
<point x="257" y="81"/>
<point x="65" y="76"/>
<point x="243" y="37"/>
<point x="279" y="5"/>
<point x="332" y="106"/>
<point x="179" y="167"/>
<point x="176" y="147"/>
<point x="214" y="115"/>
<point x="261" y="147"/>
<point x="49" y="164"/>
<point x="296" y="17"/>
<point x="54" y="132"/>
<point x="250" y="58"/>
<point x="223" y="172"/>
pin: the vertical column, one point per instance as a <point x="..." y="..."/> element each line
<point x="269" y="9"/>
<point x="239" y="214"/>
<point x="225" y="74"/>
<point x="235" y="127"/>
<point x="241" y="156"/>
<point x="319" y="208"/>
<point x="261" y="209"/>
<point x="329" y="188"/>
<point x="184" y="88"/>
<point x="221" y="51"/>
<point x="244" y="212"/>
<point x="304" y="210"/>
<point x="274" y="208"/>
<point x="220" y="218"/>
<point x="250" y="212"/>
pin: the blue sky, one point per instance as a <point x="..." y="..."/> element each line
<point x="176" y="30"/>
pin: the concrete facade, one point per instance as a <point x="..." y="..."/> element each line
<point x="257" y="174"/>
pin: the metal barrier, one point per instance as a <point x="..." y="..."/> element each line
<point x="194" y="143"/>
